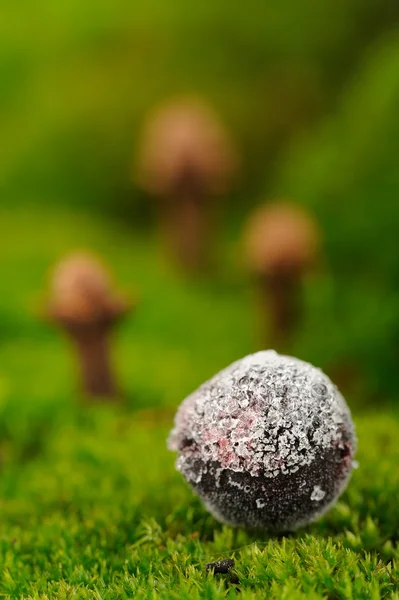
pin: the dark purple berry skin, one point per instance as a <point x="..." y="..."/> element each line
<point x="267" y="443"/>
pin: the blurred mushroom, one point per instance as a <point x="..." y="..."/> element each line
<point x="282" y="243"/>
<point x="83" y="303"/>
<point x="185" y="160"/>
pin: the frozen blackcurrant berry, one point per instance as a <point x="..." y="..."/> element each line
<point x="267" y="443"/>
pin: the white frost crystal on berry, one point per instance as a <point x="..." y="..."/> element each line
<point x="268" y="442"/>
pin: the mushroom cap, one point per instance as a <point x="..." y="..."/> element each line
<point x="281" y="236"/>
<point x="81" y="292"/>
<point x="185" y="138"/>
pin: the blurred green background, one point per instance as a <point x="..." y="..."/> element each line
<point x="310" y="94"/>
<point x="309" y="91"/>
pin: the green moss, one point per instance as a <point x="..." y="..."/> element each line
<point x="91" y="506"/>
<point x="101" y="512"/>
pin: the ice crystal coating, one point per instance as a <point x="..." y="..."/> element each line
<point x="268" y="442"/>
<point x="317" y="493"/>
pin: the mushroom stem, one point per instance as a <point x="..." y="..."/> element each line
<point x="93" y="348"/>
<point x="190" y="224"/>
<point x="279" y="295"/>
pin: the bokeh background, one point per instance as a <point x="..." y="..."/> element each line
<point x="310" y="95"/>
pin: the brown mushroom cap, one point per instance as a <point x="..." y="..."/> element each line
<point x="281" y="237"/>
<point x="184" y="137"/>
<point x="81" y="292"/>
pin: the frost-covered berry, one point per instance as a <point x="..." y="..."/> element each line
<point x="267" y="443"/>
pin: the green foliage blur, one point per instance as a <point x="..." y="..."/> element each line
<point x="310" y="93"/>
<point x="77" y="80"/>
<point x="91" y="504"/>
